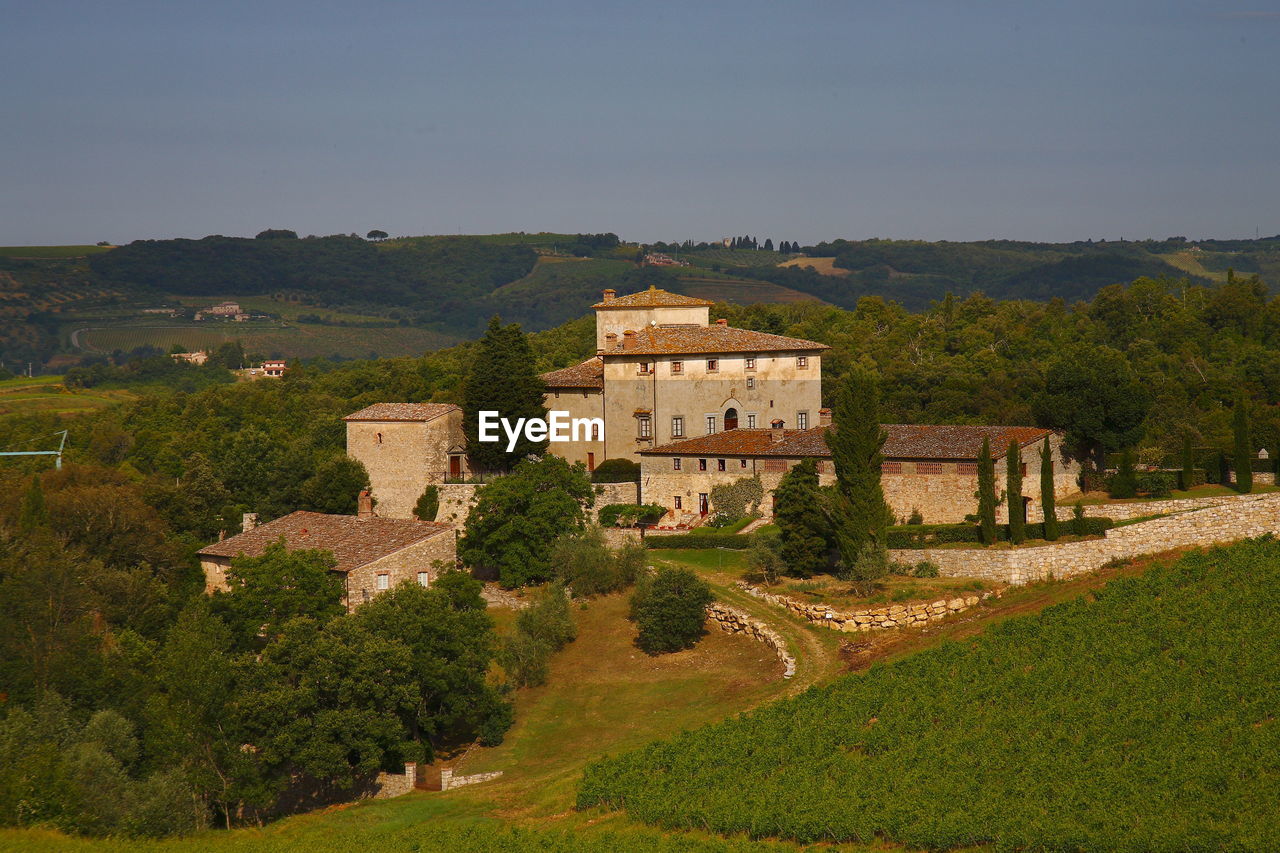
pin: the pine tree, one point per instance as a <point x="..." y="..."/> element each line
<point x="32" y="512"/>
<point x="1244" y="447"/>
<point x="859" y="512"/>
<point x="1187" y="477"/>
<point x="987" y="493"/>
<point x="1013" y="494"/>
<point x="501" y="380"/>
<point x="1047" y="499"/>
<point x="802" y="522"/>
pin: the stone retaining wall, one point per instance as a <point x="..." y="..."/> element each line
<point x="389" y="785"/>
<point x="872" y="619"/>
<point x="456" y="499"/>
<point x="735" y="621"/>
<point x="448" y="781"/>
<point x="1242" y="517"/>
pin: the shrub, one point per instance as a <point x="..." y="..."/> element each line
<point x="616" y="471"/>
<point x="542" y="629"/>
<point x="764" y="559"/>
<point x="916" y="517"/>
<point x="699" y="540"/>
<point x="670" y="609"/>
<point x="1124" y="483"/>
<point x="925" y="569"/>
<point x="1079" y="525"/>
<point x="739" y="499"/>
<point x="1157" y="484"/>
<point x="428" y="505"/>
<point x="629" y="515"/>
<point x="588" y="566"/>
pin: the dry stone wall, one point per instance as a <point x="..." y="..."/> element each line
<point x="1239" y="518"/>
<point x="872" y="619"/>
<point x="448" y="781"/>
<point x="389" y="785"/>
<point x="734" y="621"/>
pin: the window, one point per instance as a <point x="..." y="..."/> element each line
<point x="677" y="367"/>
<point x="642" y="367"/>
<point x="719" y="464"/>
<point x="711" y="424"/>
<point x="890" y="467"/>
<point x="713" y="364"/>
<point x="675" y="464"/>
<point x="595" y="432"/>
<point x="424" y="579"/>
<point x="379" y="438"/>
<point x="966" y="467"/>
<point x="928" y="467"/>
<point x="751" y="382"/>
<point x="645" y="426"/>
<point x="677" y="427"/>
<point x="802" y="420"/>
<point x="1023" y="472"/>
<point x="802" y="361"/>
<point x="702" y="464"/>
<point x="750" y="363"/>
<point x="384" y="580"/>
<point x="751" y="420"/>
<point x="679" y="503"/>
<point x="744" y="464"/>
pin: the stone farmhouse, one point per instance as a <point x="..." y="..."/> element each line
<point x="697" y="403"/>
<point x="373" y="553"/>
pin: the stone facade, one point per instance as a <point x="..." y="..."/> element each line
<point x="406" y="452"/>
<point x="891" y="616"/>
<point x="580" y="403"/>
<point x="430" y="556"/>
<point x="735" y="621"/>
<point x="1244" y="518"/>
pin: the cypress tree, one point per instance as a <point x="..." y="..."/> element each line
<point x="1124" y="484"/>
<point x="1187" y="477"/>
<point x="32" y="512"/>
<point x="1078" y="525"/>
<point x="1244" y="447"/>
<point x="428" y="506"/>
<point x="987" y="493"/>
<point x="502" y="379"/>
<point x="802" y="522"/>
<point x="859" y="512"/>
<point x="1013" y="494"/>
<point x="1047" y="499"/>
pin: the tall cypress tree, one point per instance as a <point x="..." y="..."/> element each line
<point x="802" y="521"/>
<point x="1013" y="494"/>
<point x="1047" y="499"/>
<point x="502" y="379"/>
<point x="1187" y="477"/>
<point x="987" y="493"/>
<point x="859" y="512"/>
<point x="1244" y="447"/>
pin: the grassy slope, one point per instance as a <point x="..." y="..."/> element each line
<point x="46" y="395"/>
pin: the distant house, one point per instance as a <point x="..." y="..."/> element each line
<point x="274" y="368"/>
<point x="222" y="310"/>
<point x="373" y="554"/>
<point x="196" y="358"/>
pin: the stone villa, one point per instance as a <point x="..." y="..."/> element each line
<point x="697" y="403"/>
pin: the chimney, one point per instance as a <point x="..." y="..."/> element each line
<point x="722" y="322"/>
<point x="609" y="294"/>
<point x="629" y="339"/>
<point x="248" y="521"/>
<point x="824" y="417"/>
<point x="611" y="341"/>
<point x="775" y="430"/>
<point x="364" y="504"/>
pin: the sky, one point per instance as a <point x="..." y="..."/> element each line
<point x="658" y="121"/>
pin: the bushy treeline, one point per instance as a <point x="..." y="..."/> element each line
<point x="1107" y="724"/>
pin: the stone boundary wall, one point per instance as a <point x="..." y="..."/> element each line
<point x="872" y="619"/>
<point x="1137" y="509"/>
<point x="448" y="781"/>
<point x="1244" y="517"/>
<point x="389" y="785"/>
<point x="456" y="498"/>
<point x="735" y="621"/>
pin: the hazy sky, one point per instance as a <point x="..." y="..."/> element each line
<point x="939" y="120"/>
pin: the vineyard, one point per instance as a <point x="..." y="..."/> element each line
<point x="1143" y="719"/>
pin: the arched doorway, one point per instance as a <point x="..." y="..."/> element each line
<point x="730" y="418"/>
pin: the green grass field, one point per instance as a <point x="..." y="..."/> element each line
<point x="51" y="251"/>
<point x="47" y="395"/>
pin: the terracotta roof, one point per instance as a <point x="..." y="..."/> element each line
<point x="653" y="298"/>
<point x="354" y="541"/>
<point x="589" y="374"/>
<point x="401" y="412"/>
<point x="714" y="339"/>
<point x="905" y="441"/>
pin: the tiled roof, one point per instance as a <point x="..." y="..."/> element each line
<point x="589" y="374"/>
<point x="905" y="441"/>
<point x="653" y="298"/>
<point x="354" y="541"/>
<point x="401" y="412"/>
<point x="689" y="340"/>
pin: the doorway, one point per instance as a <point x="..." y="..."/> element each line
<point x="455" y="467"/>
<point x="730" y="418"/>
<point x="703" y="503"/>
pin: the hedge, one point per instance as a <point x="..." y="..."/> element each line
<point x="698" y="540"/>
<point x="645" y="513"/>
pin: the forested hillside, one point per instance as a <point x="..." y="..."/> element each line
<point x="1144" y="720"/>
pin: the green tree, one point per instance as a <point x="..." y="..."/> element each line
<point x="267" y="591"/>
<point x="670" y="609"/>
<point x="859" y="512"/>
<point x="1243" y="446"/>
<point x="1186" y="478"/>
<point x="1048" y="500"/>
<point x="1078" y="524"/>
<point x="987" y="493"/>
<point x="802" y="521"/>
<point x="1093" y="394"/>
<point x="502" y="380"/>
<point x="376" y="234"/>
<point x="32" y="512"/>
<point x="428" y="505"/>
<point x="517" y="518"/>
<point x="335" y="486"/>
<point x="1124" y="483"/>
<point x="1013" y="494"/>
